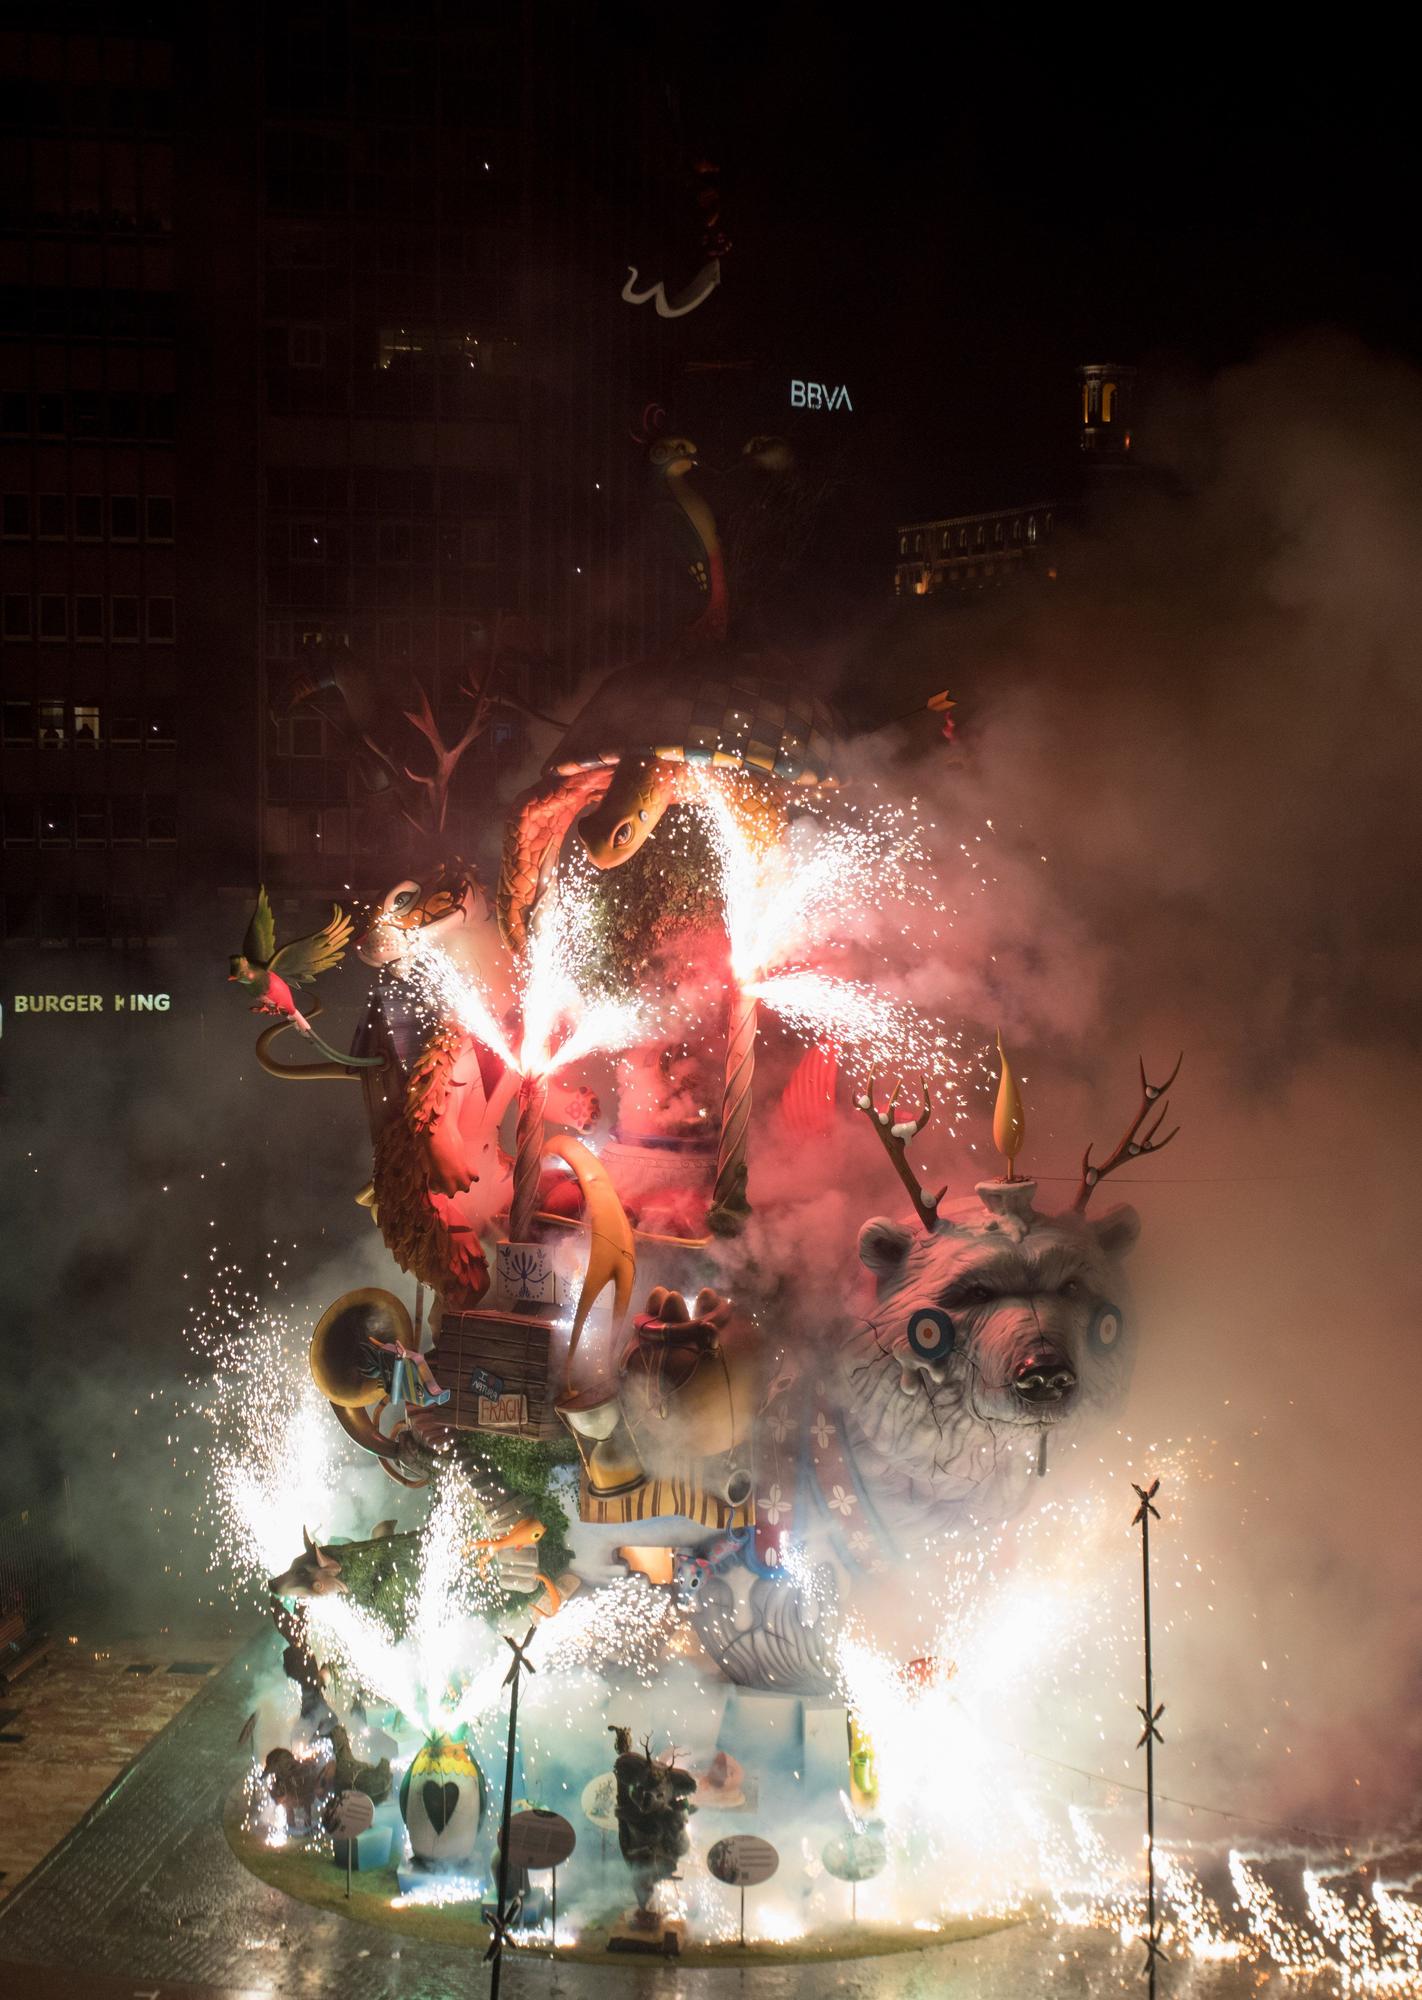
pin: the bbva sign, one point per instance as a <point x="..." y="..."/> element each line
<point x="818" y="396"/>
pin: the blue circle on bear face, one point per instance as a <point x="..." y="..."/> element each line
<point x="1108" y="1326"/>
<point x="931" y="1334"/>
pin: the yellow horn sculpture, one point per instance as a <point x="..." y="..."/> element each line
<point x="612" y="1254"/>
<point x="1009" y="1124"/>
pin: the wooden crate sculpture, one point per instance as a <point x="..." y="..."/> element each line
<point x="502" y="1370"/>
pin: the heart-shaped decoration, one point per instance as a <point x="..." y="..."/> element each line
<point x="440" y="1802"/>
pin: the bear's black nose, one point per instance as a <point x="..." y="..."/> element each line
<point x="1044" y="1377"/>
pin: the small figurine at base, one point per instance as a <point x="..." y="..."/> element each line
<point x="648" y="1931"/>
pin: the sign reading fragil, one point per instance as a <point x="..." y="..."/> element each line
<point x="818" y="396"/>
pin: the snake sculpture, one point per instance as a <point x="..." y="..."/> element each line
<point x="650" y="732"/>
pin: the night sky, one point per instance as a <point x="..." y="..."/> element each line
<point x="959" y="210"/>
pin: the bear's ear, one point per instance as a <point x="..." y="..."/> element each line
<point x="884" y="1247"/>
<point x="1116" y="1231"/>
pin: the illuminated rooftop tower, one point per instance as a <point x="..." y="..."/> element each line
<point x="1106" y="389"/>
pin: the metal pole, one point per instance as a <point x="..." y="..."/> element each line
<point x="743" y="1913"/>
<point x="555" y="1906"/>
<point x="495" y="1954"/>
<point x="1150" y="1715"/>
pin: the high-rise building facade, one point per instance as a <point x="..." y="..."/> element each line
<point x="93" y="652"/>
<point x="421" y="384"/>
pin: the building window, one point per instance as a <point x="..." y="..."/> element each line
<point x="21" y="916"/>
<point x="981" y="537"/>
<point x="15" y="517"/>
<point x="917" y="544"/>
<point x="14" y="416"/>
<point x="1031" y="527"/>
<point x="997" y="535"/>
<point x="1017" y="531"/>
<point x="51" y="416"/>
<point x="161" y="620"/>
<point x="50" y="519"/>
<point x="125" y="416"/>
<point x="51" y="725"/>
<point x="89" y="619"/>
<point x="15" y="617"/>
<point x="305" y="736"/>
<point x="1108" y="401"/>
<point x="158" y="518"/>
<point x="91" y="823"/>
<point x="161" y="820"/>
<point x="86" y="413"/>
<point x="480" y="541"/>
<point x="126" y="821"/>
<point x="56" y="921"/>
<point x="306" y="346"/>
<point x="903" y="545"/>
<point x="19" y="821"/>
<point x="161" y="417"/>
<point x="86" y="725"/>
<point x="1047" y="525"/>
<point x="56" y="821"/>
<point x="125" y="727"/>
<point x="88" y="517"/>
<point x="19" y="725"/>
<point x="159" y="733"/>
<point x="392" y="638"/>
<point x="123" y="620"/>
<point x="123" y="517"/>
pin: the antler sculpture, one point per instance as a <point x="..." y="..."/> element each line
<point x="446" y="755"/>
<point x="894" y="1135"/>
<point x="1131" y="1146"/>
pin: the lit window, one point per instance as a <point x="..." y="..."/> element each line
<point x="53" y="617"/>
<point x="15" y="517"/>
<point x="1086" y="402"/>
<point x="997" y="534"/>
<point x="982" y="537"/>
<point x="1031" y="527"/>
<point x="51" y="725"/>
<point x="86" y="724"/>
<point x="123" y="620"/>
<point x="89" y="618"/>
<point x="1108" y="401"/>
<point x="903" y="545"/>
<point x="962" y="538"/>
